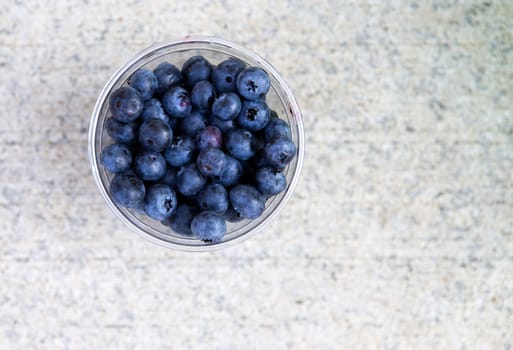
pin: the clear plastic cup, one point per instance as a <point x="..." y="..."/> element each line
<point x="215" y="50"/>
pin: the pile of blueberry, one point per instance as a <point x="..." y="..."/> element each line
<point x="196" y="147"/>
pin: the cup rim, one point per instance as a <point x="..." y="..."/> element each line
<point x="146" y="53"/>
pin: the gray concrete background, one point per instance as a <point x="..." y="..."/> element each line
<point x="399" y="235"/>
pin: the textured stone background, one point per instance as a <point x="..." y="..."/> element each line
<point x="400" y="233"/>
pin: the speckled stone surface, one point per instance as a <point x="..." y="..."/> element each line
<point x="400" y="233"/>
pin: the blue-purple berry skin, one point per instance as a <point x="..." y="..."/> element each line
<point x="247" y="200"/>
<point x="211" y="162"/>
<point x="177" y="102"/>
<point x="160" y="202"/>
<point x="208" y="226"/>
<point x="127" y="190"/>
<point x="167" y="75"/>
<point x="126" y="104"/>
<point x="279" y="152"/>
<point x="189" y="180"/>
<point x="253" y="83"/>
<point x="144" y="81"/>
<point x="225" y="74"/>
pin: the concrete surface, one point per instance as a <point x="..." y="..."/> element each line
<point x="400" y="233"/>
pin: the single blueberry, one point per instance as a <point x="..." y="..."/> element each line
<point x="276" y="127"/>
<point x="211" y="162"/>
<point x="144" y="81"/>
<point x="210" y="136"/>
<point x="231" y="215"/>
<point x="180" y="151"/>
<point x="167" y="75"/>
<point x="225" y="74"/>
<point x="189" y="180"/>
<point x="202" y="96"/>
<point x="231" y="173"/>
<point x="176" y="102"/>
<point x="253" y="83"/>
<point x="169" y="177"/>
<point x="155" y="135"/>
<point x="180" y="222"/>
<point x="160" y="202"/>
<point x="192" y="124"/>
<point x="126" y="104"/>
<point x="223" y="125"/>
<point x="153" y="110"/>
<point x="248" y="201"/>
<point x="213" y="197"/>
<point x="127" y="190"/>
<point x="270" y="181"/>
<point x="279" y="152"/>
<point x="116" y="158"/>
<point x="241" y="144"/>
<point x="122" y="132"/>
<point x="195" y="69"/>
<point x="150" y="166"/>
<point x="208" y="226"/>
<point x="226" y="106"/>
<point x="254" y="115"/>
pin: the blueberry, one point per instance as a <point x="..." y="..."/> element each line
<point x="226" y="106"/>
<point x="150" y="166"/>
<point x="192" y="124"/>
<point x="211" y="162"/>
<point x="253" y="83"/>
<point x="180" y="151"/>
<point x="270" y="181"/>
<point x="279" y="152"/>
<point x="213" y="197"/>
<point x="189" y="180"/>
<point x="160" y="202"/>
<point x="231" y="215"/>
<point x="144" y="81"/>
<point x="276" y="127"/>
<point x="127" y="190"/>
<point x="208" y="226"/>
<point x="180" y="222"/>
<point x="210" y="136"/>
<point x="122" y="132"/>
<point x="167" y="75"/>
<point x="225" y="74"/>
<point x="155" y="135"/>
<point x="247" y="201"/>
<point x="116" y="158"/>
<point x="231" y="173"/>
<point x="223" y="125"/>
<point x="195" y="69"/>
<point x="176" y="102"/>
<point x="254" y="115"/>
<point x="169" y="177"/>
<point x="126" y="104"/>
<point x="202" y="96"/>
<point x="241" y="143"/>
<point x="153" y="110"/>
